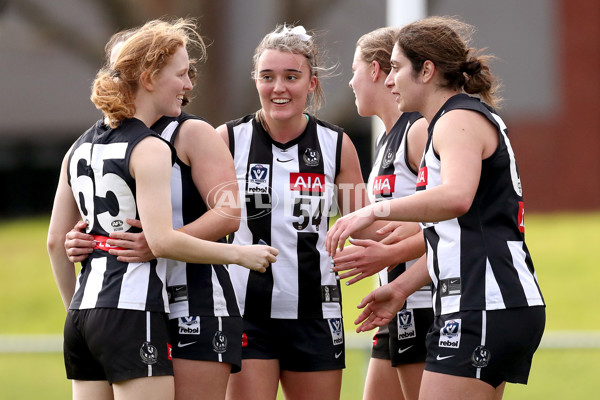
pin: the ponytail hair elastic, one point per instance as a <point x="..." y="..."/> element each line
<point x="471" y="67"/>
<point x="298" y="31"/>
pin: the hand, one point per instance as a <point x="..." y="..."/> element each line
<point x="398" y="231"/>
<point x="258" y="257"/>
<point x="134" y="247"/>
<point x="380" y="306"/>
<point x="346" y="226"/>
<point x="78" y="244"/>
<point x="365" y="258"/>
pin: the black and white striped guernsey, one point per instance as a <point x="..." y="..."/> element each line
<point x="105" y="192"/>
<point x="286" y="191"/>
<point x="392" y="177"/>
<point x="479" y="261"/>
<point x="194" y="289"/>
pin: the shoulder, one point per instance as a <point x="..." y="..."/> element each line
<point x="329" y="126"/>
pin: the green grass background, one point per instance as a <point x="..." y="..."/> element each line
<point x="560" y="245"/>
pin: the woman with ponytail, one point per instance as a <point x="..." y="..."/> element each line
<point x="489" y="310"/>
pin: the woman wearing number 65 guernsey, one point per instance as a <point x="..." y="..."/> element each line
<point x="489" y="310"/>
<point x="116" y="341"/>
<point x="287" y="162"/>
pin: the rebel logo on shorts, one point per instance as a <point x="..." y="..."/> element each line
<point x="422" y="177"/>
<point x="148" y="353"/>
<point x="244" y="340"/>
<point x="189" y="325"/>
<point x="450" y="334"/>
<point x="406" y="326"/>
<point x="219" y="342"/>
<point x="336" y="328"/>
<point x="384" y="184"/>
<point x="308" y="183"/>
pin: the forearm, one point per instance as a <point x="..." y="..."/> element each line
<point x="62" y="269"/>
<point x="180" y="246"/>
<point x="406" y="250"/>
<point x="413" y="278"/>
<point x="214" y="224"/>
<point x="437" y="204"/>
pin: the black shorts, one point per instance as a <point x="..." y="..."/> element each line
<point x="381" y="344"/>
<point x="403" y="340"/>
<point x="116" y="345"/>
<point x="493" y="346"/>
<point x="208" y="339"/>
<point x="300" y="345"/>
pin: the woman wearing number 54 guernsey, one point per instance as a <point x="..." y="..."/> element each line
<point x="489" y="310"/>
<point x="287" y="162"/>
<point x="116" y="341"/>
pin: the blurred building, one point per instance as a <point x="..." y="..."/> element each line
<point x="547" y="56"/>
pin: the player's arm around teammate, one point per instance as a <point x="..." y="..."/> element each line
<point x="132" y="99"/>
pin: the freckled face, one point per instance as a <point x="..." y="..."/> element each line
<point x="172" y="82"/>
<point x="283" y="81"/>
<point x="362" y="84"/>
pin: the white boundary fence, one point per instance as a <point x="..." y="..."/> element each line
<point x="53" y="343"/>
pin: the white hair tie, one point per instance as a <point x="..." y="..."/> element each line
<point x="298" y="31"/>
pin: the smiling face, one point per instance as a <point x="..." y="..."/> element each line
<point x="171" y="83"/>
<point x="283" y="81"/>
<point x="402" y="82"/>
<point x="362" y="84"/>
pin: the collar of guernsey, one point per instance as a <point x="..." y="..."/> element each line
<point x="100" y="243"/>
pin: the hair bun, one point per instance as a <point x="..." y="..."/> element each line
<point x="471" y="67"/>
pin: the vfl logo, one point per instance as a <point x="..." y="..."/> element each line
<point x="451" y="328"/>
<point x="219" y="342"/>
<point x="384" y="184"/>
<point x="311" y="157"/>
<point x="422" y="177"/>
<point x="259" y="173"/>
<point x="406" y="327"/>
<point x="148" y="353"/>
<point x="450" y="334"/>
<point x="307" y="182"/>
<point x="404" y="319"/>
<point x="336" y="328"/>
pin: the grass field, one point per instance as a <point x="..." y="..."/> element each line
<point x="568" y="275"/>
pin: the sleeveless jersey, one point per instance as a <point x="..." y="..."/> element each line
<point x="392" y="177"/>
<point x="479" y="261"/>
<point x="105" y="192"/>
<point x="287" y="192"/>
<point x="194" y="289"/>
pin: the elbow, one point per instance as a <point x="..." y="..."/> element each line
<point x="459" y="206"/>
<point x="159" y="247"/>
<point x="55" y="243"/>
<point x="233" y="224"/>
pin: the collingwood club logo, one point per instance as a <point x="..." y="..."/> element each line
<point x="148" y="353"/>
<point x="219" y="342"/>
<point x="311" y="157"/>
